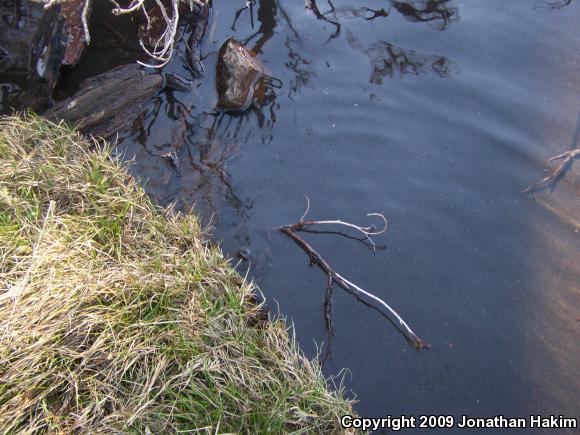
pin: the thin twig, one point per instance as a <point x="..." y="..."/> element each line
<point x="366" y="231"/>
<point x="348" y="286"/>
<point x="362" y="240"/>
<point x="307" y="209"/>
<point x="343" y="282"/>
<point x="567" y="159"/>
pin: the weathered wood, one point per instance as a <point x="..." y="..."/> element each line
<point x="109" y="102"/>
<point x="32" y="42"/>
<point x="72" y="13"/>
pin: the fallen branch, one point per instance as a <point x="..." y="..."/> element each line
<point x="567" y="159"/>
<point x="303" y="225"/>
<point x="351" y="288"/>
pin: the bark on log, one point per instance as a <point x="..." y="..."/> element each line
<point x="109" y="102"/>
<point x="72" y="13"/>
<point x="31" y="52"/>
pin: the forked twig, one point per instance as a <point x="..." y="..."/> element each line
<point x="350" y="287"/>
<point x="567" y="159"/>
<point x="365" y="231"/>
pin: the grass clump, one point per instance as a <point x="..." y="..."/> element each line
<point x="118" y="317"/>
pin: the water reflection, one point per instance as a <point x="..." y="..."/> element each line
<point x="555" y="5"/>
<point x="144" y="123"/>
<point x="207" y="183"/>
<point x="249" y="6"/>
<point x="267" y="12"/>
<point x="387" y="60"/>
<point x="262" y="112"/>
<point x="299" y="65"/>
<point x="438" y="13"/>
<point x="343" y="12"/>
<point x="191" y="170"/>
<point x="311" y="5"/>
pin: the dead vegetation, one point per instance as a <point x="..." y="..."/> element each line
<point x="161" y="49"/>
<point x="567" y="158"/>
<point x="365" y="237"/>
<point x="118" y="317"/>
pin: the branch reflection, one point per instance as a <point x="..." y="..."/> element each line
<point x="267" y="13"/>
<point x="387" y="60"/>
<point x="552" y="6"/>
<point x="300" y="66"/>
<point x="438" y="13"/>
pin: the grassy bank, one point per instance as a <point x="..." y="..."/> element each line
<point x="116" y="316"/>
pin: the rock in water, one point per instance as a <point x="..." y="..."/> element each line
<point x="237" y="72"/>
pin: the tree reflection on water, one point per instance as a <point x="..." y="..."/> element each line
<point x="439" y="13"/>
<point x="387" y="60"/>
<point x="553" y="5"/>
<point x="204" y="140"/>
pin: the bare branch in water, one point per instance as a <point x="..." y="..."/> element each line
<point x="567" y="159"/>
<point x="350" y="287"/>
<point x="303" y="225"/>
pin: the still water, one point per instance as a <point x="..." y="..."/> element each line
<point x="437" y="114"/>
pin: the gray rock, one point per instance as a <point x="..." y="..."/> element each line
<point x="237" y="72"/>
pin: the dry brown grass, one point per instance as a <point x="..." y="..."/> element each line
<point x="118" y="317"/>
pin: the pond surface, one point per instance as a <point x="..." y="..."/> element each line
<point x="437" y="114"/>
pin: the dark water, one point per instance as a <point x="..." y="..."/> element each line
<point x="437" y="114"/>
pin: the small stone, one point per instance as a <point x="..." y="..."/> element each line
<point x="237" y="72"/>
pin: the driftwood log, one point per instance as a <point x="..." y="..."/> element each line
<point x="72" y="12"/>
<point x="109" y="102"/>
<point x="34" y="43"/>
<point x="31" y="53"/>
